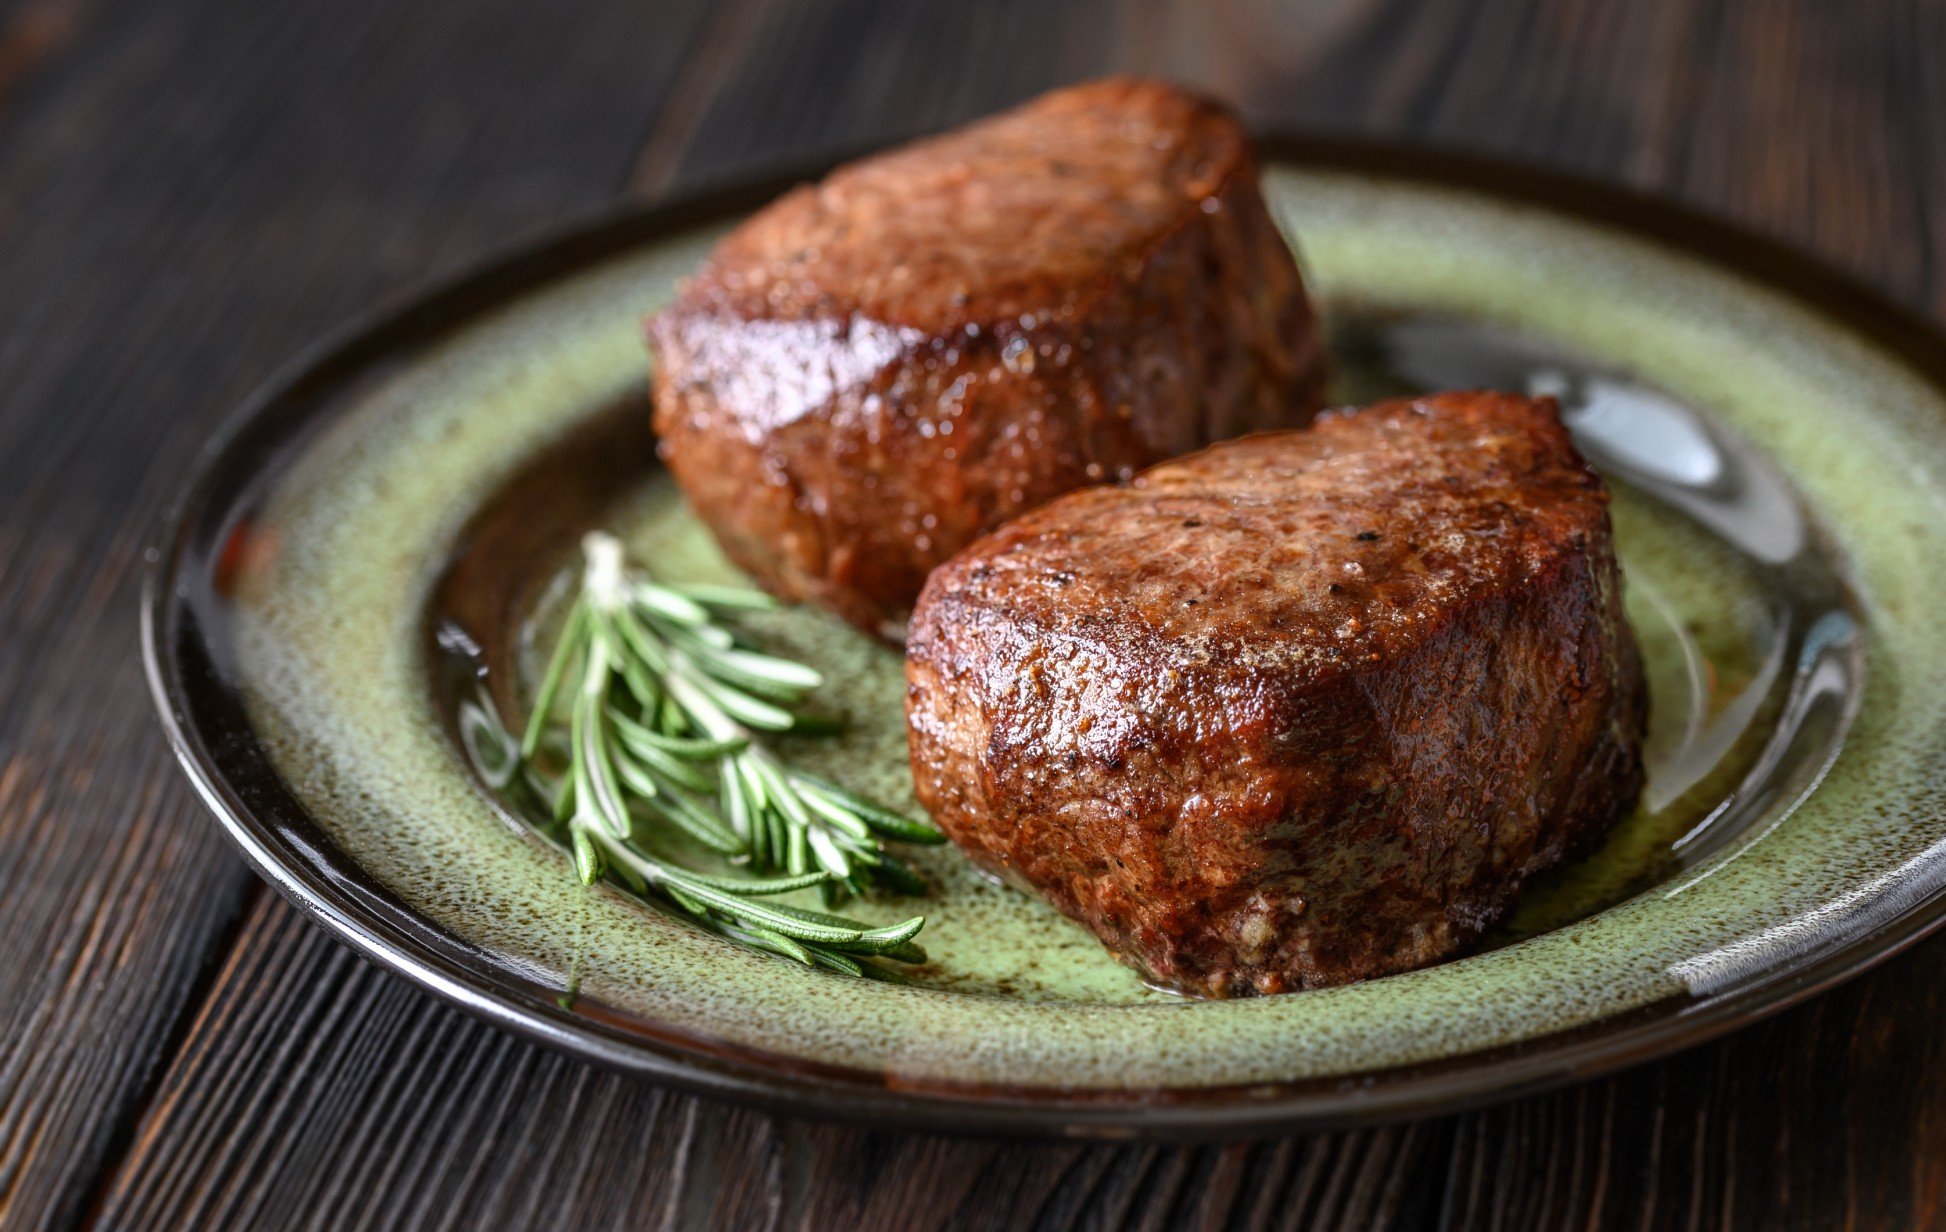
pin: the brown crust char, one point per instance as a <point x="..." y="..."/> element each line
<point x="877" y="369"/>
<point x="1299" y="710"/>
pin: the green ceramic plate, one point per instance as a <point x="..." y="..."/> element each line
<point x="349" y="593"/>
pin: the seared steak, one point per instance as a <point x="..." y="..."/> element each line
<point x="1298" y="710"/>
<point x="877" y="369"/>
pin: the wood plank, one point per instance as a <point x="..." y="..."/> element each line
<point x="311" y="1090"/>
<point x="190" y="193"/>
<point x="1833" y="1115"/>
<point x="307" y="1074"/>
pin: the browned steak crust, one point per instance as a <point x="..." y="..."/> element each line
<point x="1298" y="710"/>
<point x="877" y="369"/>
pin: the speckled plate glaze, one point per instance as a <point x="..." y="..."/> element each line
<point x="349" y="592"/>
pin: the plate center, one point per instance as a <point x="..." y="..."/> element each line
<point x="1749" y="632"/>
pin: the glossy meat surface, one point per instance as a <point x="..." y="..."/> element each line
<point x="877" y="369"/>
<point x="1298" y="710"/>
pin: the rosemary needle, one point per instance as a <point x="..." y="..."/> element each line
<point x="660" y="713"/>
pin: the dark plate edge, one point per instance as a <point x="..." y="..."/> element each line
<point x="443" y="964"/>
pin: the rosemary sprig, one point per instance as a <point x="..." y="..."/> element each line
<point x="656" y="715"/>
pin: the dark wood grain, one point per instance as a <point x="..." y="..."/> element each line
<point x="190" y="193"/>
<point x="191" y="190"/>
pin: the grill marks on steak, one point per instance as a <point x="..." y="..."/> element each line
<point x="1299" y="710"/>
<point x="877" y="369"/>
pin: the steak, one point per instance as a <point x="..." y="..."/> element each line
<point x="1298" y="710"/>
<point x="875" y="370"/>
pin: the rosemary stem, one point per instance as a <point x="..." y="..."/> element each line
<point x="664" y="737"/>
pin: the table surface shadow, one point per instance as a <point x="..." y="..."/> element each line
<point x="192" y="190"/>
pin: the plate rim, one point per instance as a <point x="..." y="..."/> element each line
<point x="385" y="931"/>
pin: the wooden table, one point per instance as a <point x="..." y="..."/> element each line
<point x="191" y="190"/>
